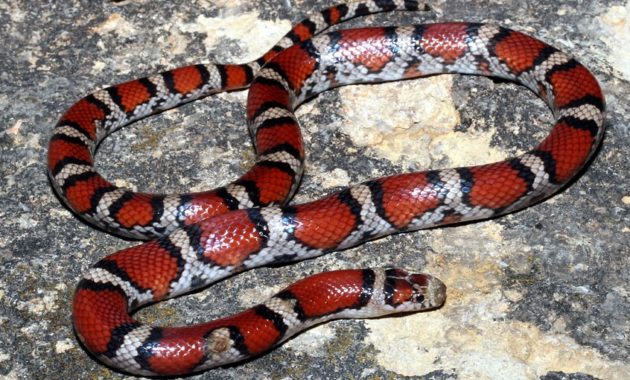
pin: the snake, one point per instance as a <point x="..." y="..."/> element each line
<point x="249" y="223"/>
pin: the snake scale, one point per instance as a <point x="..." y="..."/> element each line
<point x="200" y="238"/>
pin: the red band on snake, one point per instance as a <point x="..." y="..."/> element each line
<point x="200" y="253"/>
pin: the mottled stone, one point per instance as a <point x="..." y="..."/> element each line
<point x="540" y="294"/>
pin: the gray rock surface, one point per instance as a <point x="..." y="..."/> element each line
<point x="542" y="293"/>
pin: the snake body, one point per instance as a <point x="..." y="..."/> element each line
<point x="197" y="253"/>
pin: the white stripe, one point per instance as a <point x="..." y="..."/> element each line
<point x="283" y="157"/>
<point x="371" y="222"/>
<point x="103" y="276"/>
<point x="128" y="351"/>
<point x="70" y="170"/>
<point x="70" y="131"/>
<point x="269" y="73"/>
<point x="241" y="195"/>
<point x="584" y="112"/>
<point x="195" y="271"/>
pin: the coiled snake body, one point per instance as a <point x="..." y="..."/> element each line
<point x="204" y="237"/>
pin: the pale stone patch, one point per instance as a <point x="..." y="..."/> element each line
<point x="116" y="23"/>
<point x="615" y="25"/>
<point x="413" y="122"/>
<point x="64" y="345"/>
<point x="46" y="302"/>
<point x="313" y="341"/>
<point x="335" y="178"/>
<point x="398" y="120"/>
<point x="254" y="296"/>
<point x="470" y="335"/>
<point x="253" y="35"/>
<point x="124" y="184"/>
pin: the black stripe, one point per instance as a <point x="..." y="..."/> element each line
<point x="76" y="126"/>
<point x="466" y="183"/>
<point x="283" y="167"/>
<point x="183" y="208"/>
<point x="169" y="82"/>
<point x="194" y="232"/>
<point x="75" y="179"/>
<point x="285" y="147"/>
<point x="524" y="172"/>
<point x="275" y="318"/>
<point x="249" y="73"/>
<point x="157" y="205"/>
<point x="342" y="9"/>
<point x="279" y="70"/>
<point x="290" y="222"/>
<point x="98" y="194"/>
<point x="223" y="74"/>
<point x="251" y="188"/>
<point x="389" y="286"/>
<point x="437" y="185"/>
<point x="70" y="160"/>
<point x="260" y="224"/>
<point x="231" y="202"/>
<point x="391" y="36"/>
<point x="118" y="335"/>
<point x="145" y="352"/>
<point x="113" y="268"/>
<point x="498" y="37"/>
<point x="362" y="10"/>
<point x="472" y="28"/>
<point x="86" y="284"/>
<point x="581" y="124"/>
<point x="276" y="49"/>
<point x="416" y="36"/>
<point x="334" y="46"/>
<point x="287" y="295"/>
<point x="543" y="56"/>
<point x="267" y="106"/>
<point x="376" y="189"/>
<point x="569" y="65"/>
<point x="115" y="97"/>
<point x="238" y="340"/>
<point x="115" y="207"/>
<point x="367" y="286"/>
<point x="385" y="5"/>
<point x="413" y="5"/>
<point x="149" y="86"/>
<point x="276" y="121"/>
<point x="308" y="24"/>
<point x="68" y="139"/>
<point x="282" y="258"/>
<point x="549" y="162"/>
<point x="311" y="50"/>
<point x="595" y="101"/>
<point x="174" y="250"/>
<point x="94" y="101"/>
<point x="205" y="74"/>
<point x="270" y="81"/>
<point x="345" y="196"/>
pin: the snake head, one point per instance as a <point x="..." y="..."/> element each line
<point x="408" y="291"/>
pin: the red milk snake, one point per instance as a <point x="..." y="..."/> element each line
<point x="204" y="237"/>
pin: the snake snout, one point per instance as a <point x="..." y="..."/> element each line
<point x="429" y="291"/>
